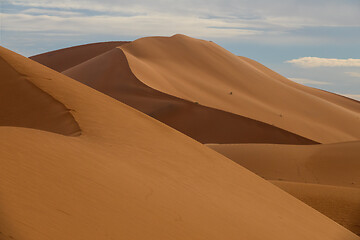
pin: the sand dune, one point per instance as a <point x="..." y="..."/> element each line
<point x="201" y="71"/>
<point x="128" y="176"/>
<point x="216" y="79"/>
<point x="330" y="164"/>
<point x="342" y="204"/>
<point x="109" y="73"/>
<point x="325" y="177"/>
<point x="62" y="59"/>
<point x="23" y="104"/>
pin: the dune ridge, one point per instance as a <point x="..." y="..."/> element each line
<point x="216" y="78"/>
<point x="110" y="73"/>
<point x="65" y="58"/>
<point x="23" y="104"/>
<point x="129" y="176"/>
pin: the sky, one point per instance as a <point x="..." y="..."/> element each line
<point x="313" y="42"/>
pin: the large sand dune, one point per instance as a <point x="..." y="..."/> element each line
<point x="128" y="176"/>
<point x="110" y="73"/>
<point x="185" y="70"/>
<point x="201" y="71"/>
<point x="213" y="96"/>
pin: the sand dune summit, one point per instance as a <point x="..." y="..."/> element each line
<point x="78" y="164"/>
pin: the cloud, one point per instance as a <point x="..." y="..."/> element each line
<point x="353" y="96"/>
<point x="137" y="25"/>
<point x="353" y="74"/>
<point x="49" y="12"/>
<point x="309" y="62"/>
<point x="308" y="81"/>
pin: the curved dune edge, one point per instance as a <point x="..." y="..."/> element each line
<point x="159" y="62"/>
<point x="341" y="204"/>
<point x="23" y="104"/>
<point x="129" y="176"/>
<point x="110" y="73"/>
<point x="328" y="164"/>
<point x="63" y="59"/>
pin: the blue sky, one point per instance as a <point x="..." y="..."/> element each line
<point x="312" y="42"/>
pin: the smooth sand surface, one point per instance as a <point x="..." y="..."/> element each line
<point x="342" y="204"/>
<point x="330" y="164"/>
<point x="62" y="59"/>
<point x="326" y="177"/>
<point x="128" y="176"/>
<point x="110" y="73"/>
<point x="203" y="72"/>
<point x="22" y="104"/>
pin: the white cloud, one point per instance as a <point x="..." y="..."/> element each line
<point x="308" y="81"/>
<point x="309" y="62"/>
<point x="353" y="96"/>
<point x="353" y="74"/>
<point x="139" y="25"/>
<point x="49" y="12"/>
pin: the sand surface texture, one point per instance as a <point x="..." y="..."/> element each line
<point x="127" y="176"/>
<point x="324" y="176"/>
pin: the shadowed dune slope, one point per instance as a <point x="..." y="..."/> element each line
<point x="342" y="204"/>
<point x="130" y="177"/>
<point x="201" y="71"/>
<point x="330" y="164"/>
<point x="65" y="58"/>
<point x="109" y="73"/>
<point x="23" y="104"/>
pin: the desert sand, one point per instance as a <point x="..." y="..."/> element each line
<point x="78" y="164"/>
<point x="63" y="59"/>
<point x="324" y="176"/>
<point x="110" y="73"/>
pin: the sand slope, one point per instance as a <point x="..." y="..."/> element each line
<point x="62" y="59"/>
<point x="109" y="73"/>
<point x="330" y="164"/>
<point x="128" y="176"/>
<point x="324" y="176"/>
<point x="23" y="104"/>
<point x="201" y="71"/>
<point x="342" y="204"/>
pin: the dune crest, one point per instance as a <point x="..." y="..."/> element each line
<point x="23" y="104"/>
<point x="130" y="177"/>
<point x="110" y="73"/>
<point x="65" y="58"/>
<point x="201" y="71"/>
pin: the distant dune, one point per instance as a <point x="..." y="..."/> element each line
<point x="63" y="59"/>
<point x="110" y="74"/>
<point x="128" y="176"/>
<point x="201" y="72"/>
